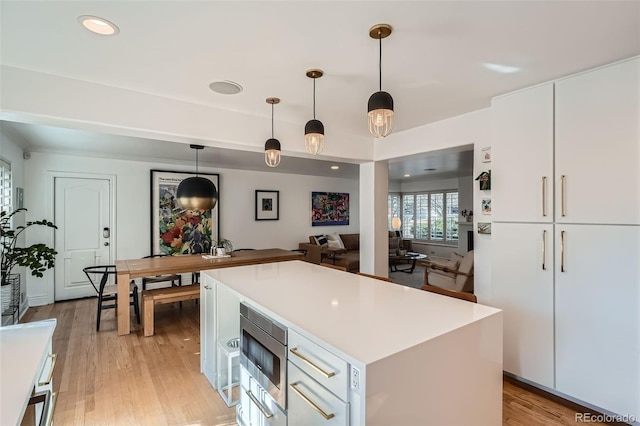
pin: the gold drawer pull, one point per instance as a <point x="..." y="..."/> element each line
<point x="53" y="357"/>
<point x="310" y="402"/>
<point x="311" y="364"/>
<point x="54" y="397"/>
<point x="262" y="409"/>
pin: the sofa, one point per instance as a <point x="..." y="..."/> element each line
<point x="349" y="258"/>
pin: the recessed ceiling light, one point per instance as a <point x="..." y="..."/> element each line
<point x="430" y="169"/>
<point x="98" y="25"/>
<point x="502" y="69"/>
<point x="226" y="87"/>
<point x="407" y="175"/>
<point x="335" y="167"/>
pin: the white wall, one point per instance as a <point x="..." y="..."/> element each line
<point x="237" y="205"/>
<point x="12" y="152"/>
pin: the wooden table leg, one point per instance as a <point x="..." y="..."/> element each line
<point x="124" y="313"/>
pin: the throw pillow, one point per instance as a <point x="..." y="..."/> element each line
<point x="321" y="240"/>
<point x="335" y="241"/>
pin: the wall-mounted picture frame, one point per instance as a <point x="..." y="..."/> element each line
<point x="486" y="154"/>
<point x="267" y="204"/>
<point x="19" y="197"/>
<point x="484" y="227"/>
<point x="486" y="206"/>
<point x="329" y="208"/>
<point x="174" y="230"/>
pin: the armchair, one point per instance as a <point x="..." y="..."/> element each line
<point x="459" y="279"/>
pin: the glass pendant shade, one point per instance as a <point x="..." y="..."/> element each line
<point x="272" y="152"/>
<point x="314" y="137"/>
<point x="380" y="114"/>
<point x="197" y="193"/>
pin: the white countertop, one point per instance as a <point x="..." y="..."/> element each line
<point x="22" y="350"/>
<point x="364" y="318"/>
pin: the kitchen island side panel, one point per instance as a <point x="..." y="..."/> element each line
<point x="454" y="379"/>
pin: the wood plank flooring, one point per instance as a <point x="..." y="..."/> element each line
<point x="103" y="379"/>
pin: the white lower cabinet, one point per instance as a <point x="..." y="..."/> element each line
<point x="522" y="286"/>
<point x="578" y="315"/>
<point x="597" y="315"/>
<point x="257" y="407"/>
<point x="310" y="403"/>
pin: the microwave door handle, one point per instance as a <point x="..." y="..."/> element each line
<point x="261" y="407"/>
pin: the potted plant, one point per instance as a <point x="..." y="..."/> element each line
<point x="37" y="257"/>
<point x="223" y="247"/>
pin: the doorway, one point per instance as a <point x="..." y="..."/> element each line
<point x="83" y="213"/>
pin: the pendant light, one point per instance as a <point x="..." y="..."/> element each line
<point x="272" y="146"/>
<point x="197" y="193"/>
<point x="314" y="129"/>
<point x="380" y="103"/>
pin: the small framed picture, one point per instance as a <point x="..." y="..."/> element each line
<point x="486" y="154"/>
<point x="486" y="206"/>
<point x="484" y="227"/>
<point x="267" y="205"/>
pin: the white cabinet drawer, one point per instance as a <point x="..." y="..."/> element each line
<point x="311" y="404"/>
<point x="326" y="368"/>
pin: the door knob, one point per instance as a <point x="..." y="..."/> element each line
<point x="106" y="243"/>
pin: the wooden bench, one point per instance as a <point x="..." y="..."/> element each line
<point x="164" y="295"/>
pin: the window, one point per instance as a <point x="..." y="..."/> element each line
<point x="5" y="186"/>
<point x="430" y="216"/>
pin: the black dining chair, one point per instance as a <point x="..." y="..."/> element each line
<point x="175" y="279"/>
<point x="109" y="292"/>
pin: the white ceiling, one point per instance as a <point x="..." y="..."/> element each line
<point x="432" y="63"/>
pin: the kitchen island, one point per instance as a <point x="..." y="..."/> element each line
<point x="410" y="357"/>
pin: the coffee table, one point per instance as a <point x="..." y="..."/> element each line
<point x="410" y="258"/>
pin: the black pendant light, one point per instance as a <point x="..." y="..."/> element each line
<point x="314" y="129"/>
<point x="272" y="146"/>
<point x="380" y="106"/>
<point x="197" y="193"/>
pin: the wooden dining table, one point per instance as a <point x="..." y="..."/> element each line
<point x="138" y="268"/>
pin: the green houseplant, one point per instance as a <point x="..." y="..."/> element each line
<point x="37" y="257"/>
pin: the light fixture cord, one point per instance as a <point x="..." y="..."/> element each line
<point x="271" y="121"/>
<point x="380" y="63"/>
<point x="196" y="162"/>
<point x="314" y="98"/>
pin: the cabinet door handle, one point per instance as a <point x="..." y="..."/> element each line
<point x="54" y="398"/>
<point x="53" y="357"/>
<point x="263" y="410"/>
<point x="544" y="250"/>
<point x="562" y="252"/>
<point x="544" y="196"/>
<point x="311" y="364"/>
<point x="563" y="195"/>
<point x="315" y="406"/>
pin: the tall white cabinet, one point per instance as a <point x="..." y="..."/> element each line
<point x="566" y="234"/>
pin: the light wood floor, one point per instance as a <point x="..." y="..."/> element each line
<point x="105" y="379"/>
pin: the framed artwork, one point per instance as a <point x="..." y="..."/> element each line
<point x="329" y="208"/>
<point x="19" y="197"/>
<point x="486" y="154"/>
<point x="484" y="227"/>
<point x="267" y="205"/>
<point x="176" y="231"/>
<point x="486" y="206"/>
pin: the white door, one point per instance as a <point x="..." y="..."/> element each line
<point x="598" y="315"/>
<point x="522" y="156"/>
<point x="522" y="286"/>
<point x="83" y="217"/>
<point x="598" y="146"/>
